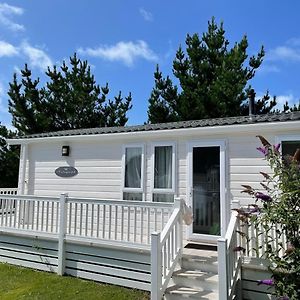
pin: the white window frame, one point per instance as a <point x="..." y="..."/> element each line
<point x="163" y="191"/>
<point x="128" y="189"/>
<point x="286" y="138"/>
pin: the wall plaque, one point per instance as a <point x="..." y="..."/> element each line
<point x="66" y="171"/>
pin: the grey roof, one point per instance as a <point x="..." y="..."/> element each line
<point x="241" y="120"/>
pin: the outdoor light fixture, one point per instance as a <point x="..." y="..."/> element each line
<point x="65" y="150"/>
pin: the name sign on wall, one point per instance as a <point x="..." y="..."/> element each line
<point x="66" y="171"/>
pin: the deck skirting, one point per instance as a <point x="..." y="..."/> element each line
<point x="103" y="262"/>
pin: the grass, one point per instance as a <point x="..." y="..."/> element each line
<point x="23" y="283"/>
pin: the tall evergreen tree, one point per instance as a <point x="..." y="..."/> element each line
<point x="70" y="99"/>
<point x="9" y="160"/>
<point x="213" y="80"/>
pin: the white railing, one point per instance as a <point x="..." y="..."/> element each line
<point x="256" y="239"/>
<point x="166" y="252"/>
<point x="126" y="221"/>
<point x="229" y="260"/>
<point x="123" y="221"/>
<point x="8" y="191"/>
<point x="30" y="213"/>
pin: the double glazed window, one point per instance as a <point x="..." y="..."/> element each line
<point x="133" y="161"/>
<point x="163" y="173"/>
<point x="290" y="147"/>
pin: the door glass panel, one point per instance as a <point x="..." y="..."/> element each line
<point x="206" y="190"/>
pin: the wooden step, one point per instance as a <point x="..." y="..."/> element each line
<point x="201" y="263"/>
<point x="178" y="292"/>
<point x="196" y="279"/>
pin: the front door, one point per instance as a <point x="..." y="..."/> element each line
<point x="206" y="169"/>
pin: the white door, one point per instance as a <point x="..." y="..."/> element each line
<point x="206" y="190"/>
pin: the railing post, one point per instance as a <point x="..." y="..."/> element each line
<point x="62" y="233"/>
<point x="178" y="203"/>
<point x="156" y="267"/>
<point x="222" y="268"/>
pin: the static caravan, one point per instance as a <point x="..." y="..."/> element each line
<point x="202" y="162"/>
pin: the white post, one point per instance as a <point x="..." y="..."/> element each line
<point x="222" y="268"/>
<point x="62" y="233"/>
<point x="156" y="267"/>
<point x="178" y="203"/>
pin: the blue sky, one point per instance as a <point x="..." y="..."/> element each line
<point x="124" y="40"/>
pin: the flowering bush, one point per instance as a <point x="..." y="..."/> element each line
<point x="278" y="207"/>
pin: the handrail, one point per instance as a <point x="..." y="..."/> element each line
<point x="121" y="202"/>
<point x="166" y="251"/>
<point x="28" y="197"/>
<point x="229" y="260"/>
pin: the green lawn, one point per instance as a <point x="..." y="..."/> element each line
<point x="23" y="283"/>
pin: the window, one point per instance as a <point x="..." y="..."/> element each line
<point x="163" y="173"/>
<point x="133" y="166"/>
<point x="290" y="147"/>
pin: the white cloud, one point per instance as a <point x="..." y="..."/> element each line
<point x="7" y="49"/>
<point x="6" y="13"/>
<point x="282" y="99"/>
<point x="38" y="58"/>
<point x="284" y="53"/>
<point x="147" y="15"/>
<point x="268" y="68"/>
<point x="126" y="52"/>
<point x="2" y="95"/>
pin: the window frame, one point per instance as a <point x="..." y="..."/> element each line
<point x="161" y="190"/>
<point x="286" y="138"/>
<point x="128" y="189"/>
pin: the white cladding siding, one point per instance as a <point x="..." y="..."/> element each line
<point x="99" y="164"/>
<point x="245" y="163"/>
<point x="99" y="170"/>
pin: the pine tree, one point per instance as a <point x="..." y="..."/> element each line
<point x="70" y="99"/>
<point x="9" y="160"/>
<point x="213" y="80"/>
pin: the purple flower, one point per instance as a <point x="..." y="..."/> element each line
<point x="263" y="197"/>
<point x="269" y="282"/>
<point x="283" y="298"/>
<point x="263" y="150"/>
<point x="254" y="210"/>
<point x="277" y="147"/>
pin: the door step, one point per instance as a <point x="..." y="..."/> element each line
<point x="177" y="292"/>
<point x="197" y="278"/>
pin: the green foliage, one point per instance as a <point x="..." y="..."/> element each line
<point x="70" y="99"/>
<point x="9" y="160"/>
<point x="280" y="209"/>
<point x="22" y="283"/>
<point x="213" y="80"/>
